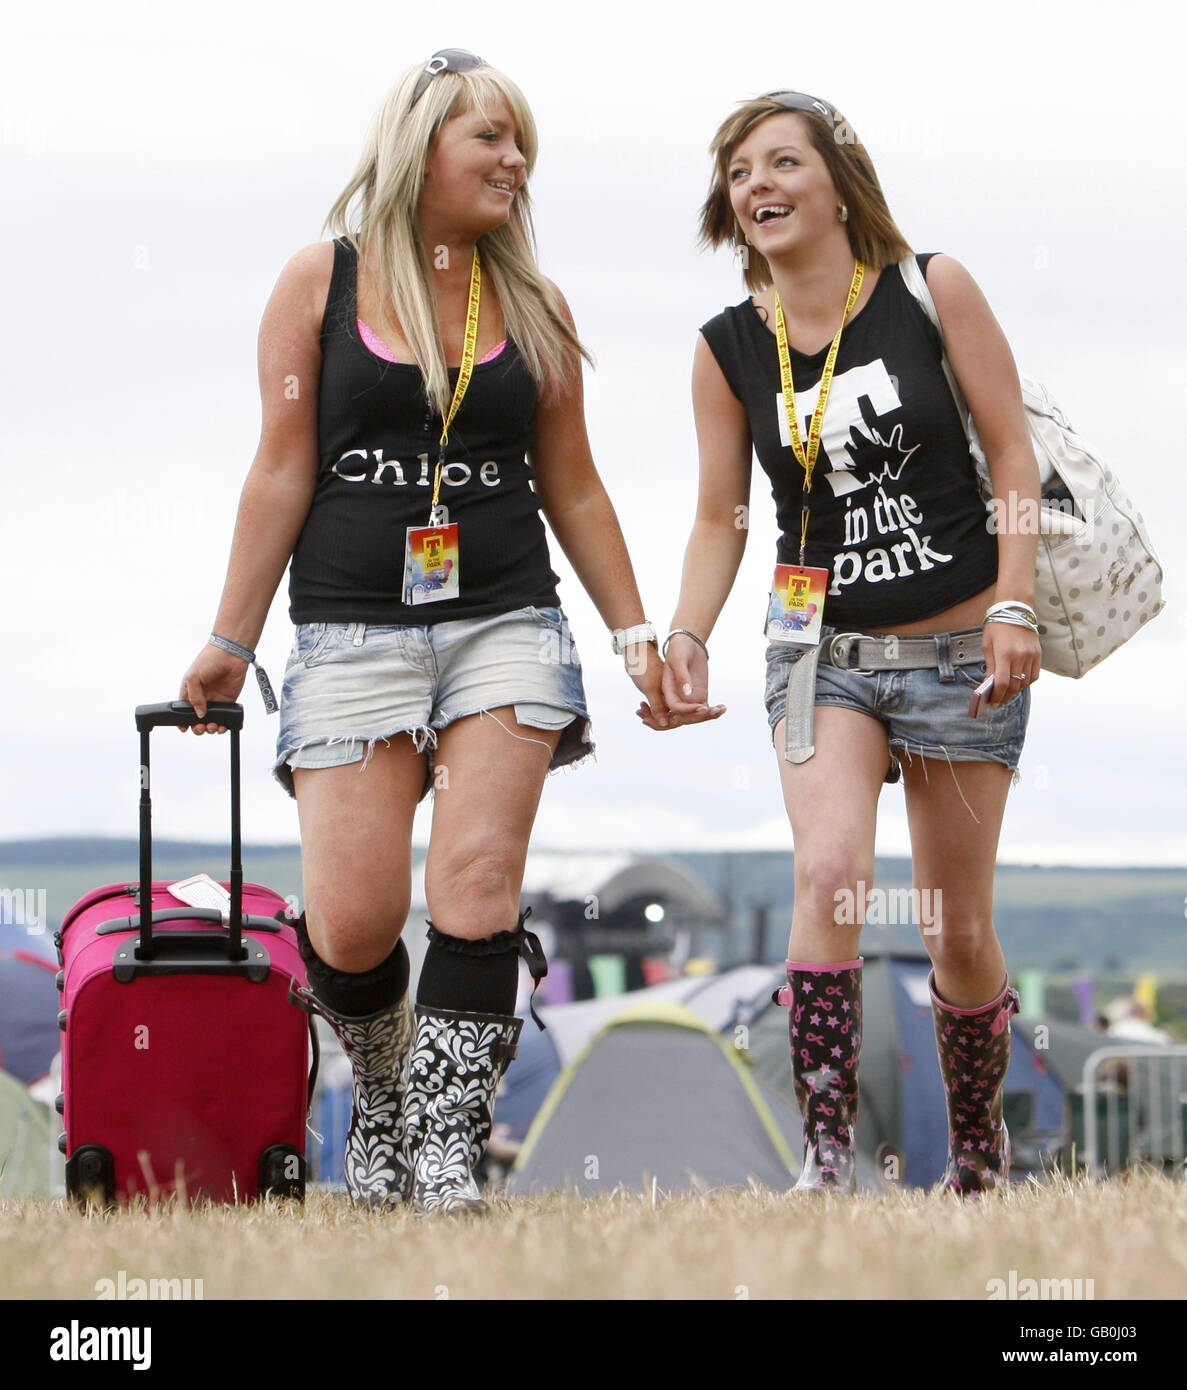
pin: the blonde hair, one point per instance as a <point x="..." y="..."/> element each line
<point x="873" y="236"/>
<point x="387" y="182"/>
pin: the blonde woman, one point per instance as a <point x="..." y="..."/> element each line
<point x="422" y="402"/>
<point x="831" y="373"/>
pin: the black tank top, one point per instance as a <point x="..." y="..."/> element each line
<point x="377" y="450"/>
<point x="896" y="517"/>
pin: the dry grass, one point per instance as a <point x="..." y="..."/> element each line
<point x="1128" y="1236"/>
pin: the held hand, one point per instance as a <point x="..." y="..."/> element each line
<point x="1012" y="658"/>
<point x="646" y="669"/>
<point x="214" y="675"/>
<point x="686" y="685"/>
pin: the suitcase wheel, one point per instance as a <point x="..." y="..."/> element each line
<point x="90" y="1175"/>
<point x="282" y="1172"/>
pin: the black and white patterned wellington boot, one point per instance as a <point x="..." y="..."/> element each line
<point x="454" y="1069"/>
<point x="377" y="1046"/>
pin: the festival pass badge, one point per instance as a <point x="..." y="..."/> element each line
<point x="797" y="605"/>
<point x="431" y="564"/>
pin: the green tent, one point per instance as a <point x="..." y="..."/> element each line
<point x="28" y="1151"/>
<point x="658" y="1097"/>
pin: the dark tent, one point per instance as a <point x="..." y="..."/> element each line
<point x="29" y="1004"/>
<point x="529" y="1078"/>
<point x="15" y="937"/>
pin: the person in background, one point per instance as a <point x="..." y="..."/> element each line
<point x="1134" y="1024"/>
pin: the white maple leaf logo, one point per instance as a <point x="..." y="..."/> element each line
<point x="874" y="460"/>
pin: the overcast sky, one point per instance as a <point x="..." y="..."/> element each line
<point x="160" y="165"/>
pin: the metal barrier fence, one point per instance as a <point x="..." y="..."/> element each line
<point x="1135" y="1107"/>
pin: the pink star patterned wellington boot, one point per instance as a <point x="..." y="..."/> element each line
<point x="824" y="1028"/>
<point x="974" y="1047"/>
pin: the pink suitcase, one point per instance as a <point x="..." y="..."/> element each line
<point x="185" y="1064"/>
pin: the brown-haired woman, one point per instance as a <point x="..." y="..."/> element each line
<point x="874" y="487"/>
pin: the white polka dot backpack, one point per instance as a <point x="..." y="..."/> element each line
<point x="1097" y="578"/>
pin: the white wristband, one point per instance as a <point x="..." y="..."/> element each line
<point x="624" y="637"/>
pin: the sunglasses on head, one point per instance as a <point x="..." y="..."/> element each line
<point x="444" y="60"/>
<point x="800" y="101"/>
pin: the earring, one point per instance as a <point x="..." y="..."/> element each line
<point x="842" y="213"/>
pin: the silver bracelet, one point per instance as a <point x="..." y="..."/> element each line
<point x="1013" y="619"/>
<point x="1024" y="610"/>
<point x="682" y="631"/>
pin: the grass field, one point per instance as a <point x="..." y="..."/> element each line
<point x="1128" y="1236"/>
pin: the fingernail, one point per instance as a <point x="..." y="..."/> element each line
<point x="688" y="689"/>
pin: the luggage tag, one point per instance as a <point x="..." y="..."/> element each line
<point x="203" y="891"/>
<point x="431" y="562"/>
<point x="796" y="609"/>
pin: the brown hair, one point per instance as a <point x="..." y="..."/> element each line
<point x="873" y="236"/>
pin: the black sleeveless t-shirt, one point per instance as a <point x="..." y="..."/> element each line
<point x="895" y="514"/>
<point x="378" y="442"/>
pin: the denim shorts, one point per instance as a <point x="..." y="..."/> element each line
<point x="348" y="686"/>
<point x="924" y="713"/>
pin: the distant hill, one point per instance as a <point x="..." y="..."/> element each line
<point x="1057" y="918"/>
<point x="1060" y="919"/>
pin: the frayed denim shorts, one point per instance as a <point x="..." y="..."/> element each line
<point x="924" y="712"/>
<point x="348" y="686"/>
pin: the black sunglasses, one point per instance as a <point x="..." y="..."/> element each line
<point x="445" y="60"/>
<point x="800" y="101"/>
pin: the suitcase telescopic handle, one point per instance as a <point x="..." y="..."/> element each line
<point x="181" y="714"/>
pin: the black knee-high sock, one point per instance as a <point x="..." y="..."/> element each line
<point x="355" y="994"/>
<point x="477" y="977"/>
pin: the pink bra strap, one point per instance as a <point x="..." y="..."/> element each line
<point x="376" y="345"/>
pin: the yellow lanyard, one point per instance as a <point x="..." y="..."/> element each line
<point x="807" y="459"/>
<point x="464" y="373"/>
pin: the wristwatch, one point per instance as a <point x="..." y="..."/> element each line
<point x="624" y="637"/>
